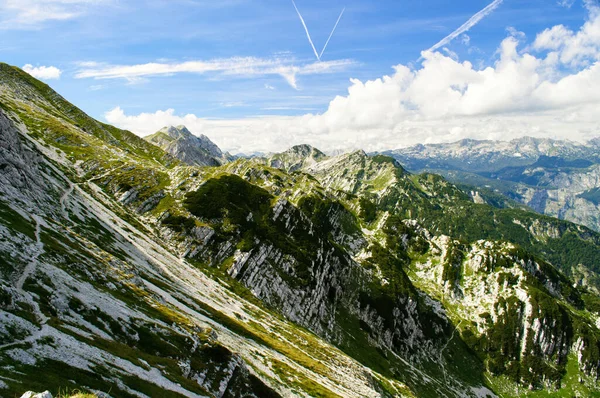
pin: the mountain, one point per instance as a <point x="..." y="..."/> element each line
<point x="92" y="296"/>
<point x="486" y="156"/>
<point x="296" y="158"/>
<point x="125" y="272"/>
<point x="556" y="178"/>
<point x="193" y="150"/>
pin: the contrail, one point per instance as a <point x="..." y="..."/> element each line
<point x="306" y="29"/>
<point x="332" y="32"/>
<point x="474" y="20"/>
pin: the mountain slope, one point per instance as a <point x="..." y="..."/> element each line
<point x="180" y="143"/>
<point x="480" y="281"/>
<point x="89" y="294"/>
<point x="343" y="276"/>
<point x="375" y="188"/>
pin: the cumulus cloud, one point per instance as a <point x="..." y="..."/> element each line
<point x="548" y="88"/>
<point x="288" y="68"/>
<point x="573" y="48"/>
<point x="43" y="72"/>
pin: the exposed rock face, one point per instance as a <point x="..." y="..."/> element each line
<point x="190" y="149"/>
<point x="508" y="301"/>
<point x="17" y="176"/>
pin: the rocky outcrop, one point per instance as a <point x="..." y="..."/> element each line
<point x="515" y="310"/>
<point x="31" y="394"/>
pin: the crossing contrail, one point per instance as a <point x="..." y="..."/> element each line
<point x="332" y="32"/>
<point x="306" y="29"/>
<point x="474" y="20"/>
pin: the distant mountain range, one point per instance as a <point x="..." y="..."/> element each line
<point x="557" y="178"/>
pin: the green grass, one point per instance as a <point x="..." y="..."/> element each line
<point x="570" y="385"/>
<point x="16" y="222"/>
<point x="74" y="393"/>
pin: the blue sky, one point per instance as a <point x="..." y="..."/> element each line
<point x="235" y="56"/>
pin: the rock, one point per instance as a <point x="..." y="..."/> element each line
<point x="31" y="394"/>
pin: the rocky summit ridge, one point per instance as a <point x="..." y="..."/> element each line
<point x="193" y="150"/>
<point x="125" y="271"/>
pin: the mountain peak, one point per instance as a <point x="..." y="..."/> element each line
<point x="176" y="132"/>
<point x="297" y="157"/>
<point x="306" y="150"/>
<point x="187" y="147"/>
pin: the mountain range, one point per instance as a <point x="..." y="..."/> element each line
<point x="557" y="178"/>
<point x="128" y="268"/>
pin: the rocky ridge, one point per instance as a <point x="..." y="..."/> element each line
<point x="193" y="150"/>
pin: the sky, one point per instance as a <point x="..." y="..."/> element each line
<point x="245" y="73"/>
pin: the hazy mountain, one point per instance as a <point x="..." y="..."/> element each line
<point x="125" y="272"/>
<point x="487" y="156"/>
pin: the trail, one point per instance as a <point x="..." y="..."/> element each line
<point x="444" y="348"/>
<point x="63" y="199"/>
<point x="39" y="249"/>
<point x="27" y="272"/>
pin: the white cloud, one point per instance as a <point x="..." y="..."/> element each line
<point x="236" y="66"/>
<point x="233" y="104"/>
<point x="574" y="48"/>
<point x="16" y="14"/>
<point x="565" y="3"/>
<point x="43" y="72"/>
<point x="524" y="92"/>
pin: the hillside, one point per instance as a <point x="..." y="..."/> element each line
<point x="293" y="275"/>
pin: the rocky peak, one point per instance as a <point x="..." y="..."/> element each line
<point x="306" y="151"/>
<point x="176" y="132"/>
<point x="296" y="158"/>
<point x="185" y="146"/>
